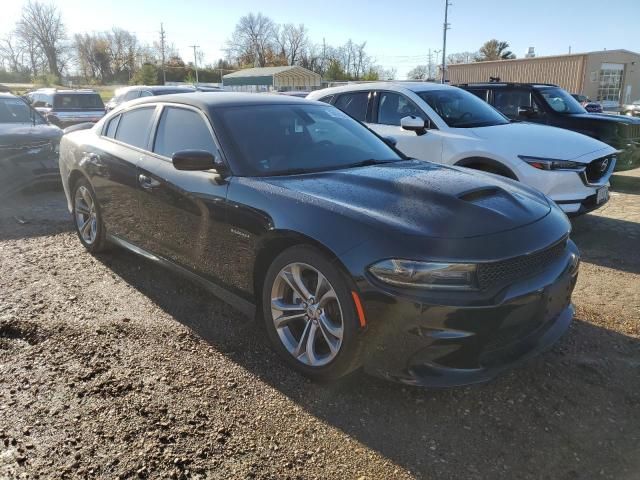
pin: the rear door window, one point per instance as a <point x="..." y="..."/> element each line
<point x="354" y="104"/>
<point x="508" y="100"/>
<point x="112" y="127"/>
<point x="182" y="129"/>
<point x="393" y="107"/>
<point x="134" y="127"/>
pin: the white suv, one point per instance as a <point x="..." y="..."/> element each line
<point x="445" y="124"/>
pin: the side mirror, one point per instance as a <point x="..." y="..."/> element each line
<point x="197" y="160"/>
<point x="525" y="111"/>
<point x="414" y="124"/>
<point x="391" y="141"/>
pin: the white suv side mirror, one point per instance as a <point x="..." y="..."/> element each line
<point x="414" y="124"/>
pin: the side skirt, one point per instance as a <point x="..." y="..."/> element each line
<point x="237" y="302"/>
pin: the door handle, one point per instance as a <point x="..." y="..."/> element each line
<point x="147" y="182"/>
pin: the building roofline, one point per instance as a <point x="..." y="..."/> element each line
<point x="564" y="55"/>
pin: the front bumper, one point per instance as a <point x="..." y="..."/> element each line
<point x="422" y="343"/>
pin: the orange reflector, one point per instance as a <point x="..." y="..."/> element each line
<point x="359" y="309"/>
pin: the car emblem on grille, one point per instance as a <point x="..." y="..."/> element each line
<point x="604" y="165"/>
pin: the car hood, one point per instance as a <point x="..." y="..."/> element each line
<point x="543" y="141"/>
<point x="420" y="198"/>
<point x="18" y="134"/>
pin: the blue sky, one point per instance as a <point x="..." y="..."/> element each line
<point x="398" y="34"/>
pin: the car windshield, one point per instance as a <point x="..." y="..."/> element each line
<point x="561" y="101"/>
<point x="461" y="109"/>
<point x="265" y="140"/>
<point x="75" y="101"/>
<point x="15" y="110"/>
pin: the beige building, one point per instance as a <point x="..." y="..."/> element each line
<point x="609" y="76"/>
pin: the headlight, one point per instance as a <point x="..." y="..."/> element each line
<point x="551" y="163"/>
<point x="435" y="276"/>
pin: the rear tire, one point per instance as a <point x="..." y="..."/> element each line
<point x="310" y="316"/>
<point x="87" y="217"/>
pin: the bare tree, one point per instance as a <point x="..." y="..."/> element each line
<point x="421" y="72"/>
<point x="252" y="41"/>
<point x="291" y="41"/>
<point x="12" y="53"/>
<point x="41" y="25"/>
<point x="462" y="57"/>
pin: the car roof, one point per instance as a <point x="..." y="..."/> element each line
<point x="506" y="84"/>
<point x="206" y="100"/>
<point x="397" y="86"/>
<point x="66" y="91"/>
<point x="7" y="95"/>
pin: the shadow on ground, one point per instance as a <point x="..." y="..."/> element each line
<point x="607" y="241"/>
<point x="567" y="413"/>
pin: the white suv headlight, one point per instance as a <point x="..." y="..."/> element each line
<point x="429" y="275"/>
<point x="551" y="163"/>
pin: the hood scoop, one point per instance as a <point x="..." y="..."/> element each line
<point x="477" y="194"/>
<point x="496" y="199"/>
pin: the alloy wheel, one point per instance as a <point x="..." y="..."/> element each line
<point x="85" y="213"/>
<point x="307" y="314"/>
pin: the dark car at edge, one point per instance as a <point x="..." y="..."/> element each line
<point x="28" y="146"/>
<point x="551" y="105"/>
<point x="347" y="252"/>
<point x="66" y="107"/>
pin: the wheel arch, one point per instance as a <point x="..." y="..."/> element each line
<point x="276" y="243"/>
<point x="476" y="162"/>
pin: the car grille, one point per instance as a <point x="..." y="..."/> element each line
<point x="598" y="168"/>
<point x="632" y="132"/>
<point x="494" y="274"/>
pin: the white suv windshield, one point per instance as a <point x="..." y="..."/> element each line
<point x="461" y="109"/>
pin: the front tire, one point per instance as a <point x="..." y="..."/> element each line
<point x="87" y="217"/>
<point x="309" y="314"/>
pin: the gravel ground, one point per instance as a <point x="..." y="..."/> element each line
<point x="111" y="367"/>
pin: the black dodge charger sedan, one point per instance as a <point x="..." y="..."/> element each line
<point x="351" y="254"/>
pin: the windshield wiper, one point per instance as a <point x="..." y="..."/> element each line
<point x="368" y="163"/>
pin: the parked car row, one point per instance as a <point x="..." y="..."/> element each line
<point x="337" y="224"/>
<point x="64" y="108"/>
<point x="445" y="124"/>
<point x="125" y="94"/>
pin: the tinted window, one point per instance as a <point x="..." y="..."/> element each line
<point x="354" y="104"/>
<point x="146" y="93"/>
<point x="134" y="127"/>
<point x="14" y="110"/>
<point x="393" y="107"/>
<point x="77" y="100"/>
<point x="327" y="99"/>
<point x="508" y="100"/>
<point x="112" y="126"/>
<point x="561" y="101"/>
<point x="130" y="95"/>
<point x="461" y="109"/>
<point x="182" y="129"/>
<point x="267" y="140"/>
<point x="480" y="93"/>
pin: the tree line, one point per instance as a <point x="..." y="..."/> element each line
<point x="491" y="50"/>
<point x="41" y="50"/>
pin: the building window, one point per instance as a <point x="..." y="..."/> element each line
<point x="610" y="82"/>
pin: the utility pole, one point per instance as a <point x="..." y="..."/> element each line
<point x="435" y="55"/>
<point x="430" y="57"/>
<point x="445" y="27"/>
<point x="195" y="60"/>
<point x="162" y="49"/>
